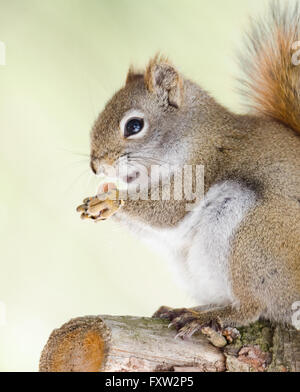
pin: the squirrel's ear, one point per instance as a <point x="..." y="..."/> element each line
<point x="132" y="75"/>
<point x="163" y="79"/>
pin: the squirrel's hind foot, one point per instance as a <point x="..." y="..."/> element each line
<point x="189" y="321"/>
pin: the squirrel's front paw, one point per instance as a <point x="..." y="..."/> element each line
<point x="102" y="206"/>
<point x="188" y="321"/>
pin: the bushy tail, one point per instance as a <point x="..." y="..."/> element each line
<point x="271" y="64"/>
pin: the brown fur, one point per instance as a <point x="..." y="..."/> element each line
<point x="132" y="75"/>
<point x="272" y="80"/>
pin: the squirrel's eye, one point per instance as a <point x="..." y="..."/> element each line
<point x="133" y="126"/>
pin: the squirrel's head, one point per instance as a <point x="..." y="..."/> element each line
<point x="138" y="123"/>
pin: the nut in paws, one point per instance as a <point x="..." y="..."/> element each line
<point x="102" y="206"/>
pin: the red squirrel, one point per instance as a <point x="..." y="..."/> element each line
<point x="238" y="252"/>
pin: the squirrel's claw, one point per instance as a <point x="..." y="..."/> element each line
<point x="187" y="322"/>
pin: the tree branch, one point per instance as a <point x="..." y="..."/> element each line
<point x="124" y="343"/>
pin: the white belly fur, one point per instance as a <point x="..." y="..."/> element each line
<point x="199" y="247"/>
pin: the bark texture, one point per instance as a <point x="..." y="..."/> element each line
<point x="125" y="343"/>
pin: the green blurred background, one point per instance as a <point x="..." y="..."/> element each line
<point x="64" y="59"/>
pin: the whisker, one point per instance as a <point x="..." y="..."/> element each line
<point x="75" y="181"/>
<point x="75" y="152"/>
<point x="67" y="165"/>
